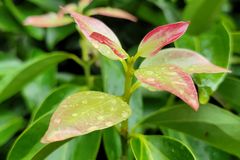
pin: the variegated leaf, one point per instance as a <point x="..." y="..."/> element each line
<point x="160" y="37"/>
<point x="189" y="61"/>
<point x="105" y="43"/>
<point x="88" y="25"/>
<point x="85" y="112"/>
<point x="112" y="12"/>
<point x="48" y="20"/>
<point x="172" y="79"/>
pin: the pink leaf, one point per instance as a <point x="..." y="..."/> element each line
<point x="172" y="79"/>
<point x="112" y="45"/>
<point x="47" y="20"/>
<point x="160" y="37"/>
<point x="88" y="25"/>
<point x="112" y="12"/>
<point x="189" y="61"/>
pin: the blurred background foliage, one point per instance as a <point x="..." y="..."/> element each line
<point x="214" y="32"/>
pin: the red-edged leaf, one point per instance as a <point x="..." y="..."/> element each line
<point x="161" y="36"/>
<point x="88" y="25"/>
<point x="112" y="12"/>
<point x="85" y="112"/>
<point x="112" y="45"/>
<point x="48" y="20"/>
<point x="172" y="79"/>
<point x="189" y="61"/>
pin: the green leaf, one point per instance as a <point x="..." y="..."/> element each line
<point x="201" y="14"/>
<point x="21" y="12"/>
<point x="28" y="145"/>
<point x="10" y="123"/>
<point x="55" y="35"/>
<point x="212" y="124"/>
<point x="49" y="5"/>
<point x="13" y="83"/>
<point x="169" y="78"/>
<point x="228" y="93"/>
<point x="53" y="99"/>
<point x="236" y="40"/>
<point x="112" y="143"/>
<point x="84" y="112"/>
<point x="8" y="65"/>
<point x="215" y="46"/>
<point x="159" y="148"/>
<point x="84" y="147"/>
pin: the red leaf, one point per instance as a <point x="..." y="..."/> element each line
<point x="160" y="37"/>
<point x="112" y="12"/>
<point x="172" y="79"/>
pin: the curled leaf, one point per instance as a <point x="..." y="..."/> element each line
<point x="47" y="20"/>
<point x="188" y="60"/>
<point x="112" y="12"/>
<point x="85" y="112"/>
<point x="88" y="25"/>
<point x="172" y="79"/>
<point x="160" y="37"/>
<point x="104" y="41"/>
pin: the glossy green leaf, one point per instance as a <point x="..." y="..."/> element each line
<point x="211" y="124"/>
<point x="84" y="112"/>
<point x="21" y="12"/>
<point x="53" y="99"/>
<point x="13" y="83"/>
<point x="200" y="149"/>
<point x="236" y="40"/>
<point x="10" y="123"/>
<point x="28" y="146"/>
<point x="159" y="148"/>
<point x="190" y="61"/>
<point x="215" y="46"/>
<point x="9" y="65"/>
<point x="172" y="79"/>
<point x="55" y="35"/>
<point x="84" y="147"/>
<point x="228" y="93"/>
<point x="112" y="143"/>
<point x="201" y="14"/>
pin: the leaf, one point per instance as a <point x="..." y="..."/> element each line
<point x="55" y="35"/>
<point x="112" y="143"/>
<point x="215" y="46"/>
<point x="112" y="12"/>
<point x="172" y="79"/>
<point x="106" y="44"/>
<point x="235" y="41"/>
<point x="160" y="37"/>
<point x="49" y="5"/>
<point x="84" y="112"/>
<point x="28" y="145"/>
<point x="228" y="93"/>
<point x="8" y="65"/>
<point x="53" y="99"/>
<point x="47" y="20"/>
<point x="159" y="148"/>
<point x="10" y="123"/>
<point x="201" y="14"/>
<point x="88" y="25"/>
<point x="189" y="61"/>
<point x="13" y="83"/>
<point x="84" y="147"/>
<point x="211" y="124"/>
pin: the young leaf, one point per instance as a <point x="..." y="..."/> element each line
<point x="172" y="79"/>
<point x="85" y="112"/>
<point x="160" y="37"/>
<point x="14" y="82"/>
<point x="211" y="124"/>
<point x="112" y="12"/>
<point x="159" y="148"/>
<point x="189" y="61"/>
<point x="117" y="50"/>
<point x="47" y="20"/>
<point x="88" y="25"/>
